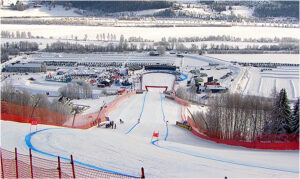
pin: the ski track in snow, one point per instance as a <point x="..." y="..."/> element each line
<point x="259" y="86"/>
<point x="221" y="160"/>
<point x="293" y="88"/>
<point x="275" y="84"/>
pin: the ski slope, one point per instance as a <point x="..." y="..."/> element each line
<point x="177" y="154"/>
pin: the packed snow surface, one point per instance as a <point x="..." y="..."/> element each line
<point x="259" y="58"/>
<point x="128" y="148"/>
<point x="157" y="79"/>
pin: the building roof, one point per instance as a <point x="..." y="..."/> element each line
<point x="24" y="65"/>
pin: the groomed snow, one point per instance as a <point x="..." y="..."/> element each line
<point x="258" y="58"/>
<point x="157" y="79"/>
<point x="178" y="153"/>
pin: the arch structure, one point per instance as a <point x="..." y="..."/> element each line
<point x="147" y="87"/>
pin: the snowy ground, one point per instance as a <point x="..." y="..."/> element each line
<point x="259" y="58"/>
<point x="178" y="153"/>
<point x="250" y="80"/>
<point x="156" y="79"/>
<point x="264" y="83"/>
<point x="43" y="11"/>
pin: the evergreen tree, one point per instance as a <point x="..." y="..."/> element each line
<point x="295" y="118"/>
<point x="281" y="115"/>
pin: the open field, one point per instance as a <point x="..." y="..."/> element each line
<point x="259" y="58"/>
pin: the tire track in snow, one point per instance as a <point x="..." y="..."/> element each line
<point x="222" y="160"/>
<point x="275" y="84"/>
<point x="259" y="86"/>
<point x="293" y="88"/>
<point x="246" y="86"/>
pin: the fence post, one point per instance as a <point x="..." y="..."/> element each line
<point x="143" y="174"/>
<point x="2" y="167"/>
<point x="16" y="158"/>
<point x="31" y="168"/>
<point x="73" y="169"/>
<point x="58" y="168"/>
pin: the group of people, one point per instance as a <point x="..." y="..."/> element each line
<point x="113" y="125"/>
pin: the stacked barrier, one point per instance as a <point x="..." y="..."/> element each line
<point x="26" y="114"/>
<point x="15" y="165"/>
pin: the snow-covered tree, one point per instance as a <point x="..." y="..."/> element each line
<point x="281" y="115"/>
<point x="295" y="118"/>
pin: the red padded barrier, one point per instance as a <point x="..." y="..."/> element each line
<point x="26" y="114"/>
<point x="271" y="142"/>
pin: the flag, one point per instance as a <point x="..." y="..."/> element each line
<point x="155" y="134"/>
<point x="34" y="123"/>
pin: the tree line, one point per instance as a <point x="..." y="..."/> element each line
<point x="245" y="118"/>
<point x="76" y="90"/>
<point x="25" y="98"/>
<point x="119" y="6"/>
<point x="18" y="35"/>
<point x="229" y="38"/>
<point x="14" y="48"/>
<point x="278" y="9"/>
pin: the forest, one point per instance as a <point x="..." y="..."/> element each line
<point x="119" y="6"/>
<point x="250" y="118"/>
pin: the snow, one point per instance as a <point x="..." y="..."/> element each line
<point x="94" y="104"/>
<point x="250" y="80"/>
<point x="201" y="11"/>
<point x="258" y="58"/>
<point x="152" y="33"/>
<point x="43" y="11"/>
<point x="263" y="83"/>
<point x="156" y="79"/>
<point x="242" y="11"/>
<point x="126" y="152"/>
<point x="188" y="155"/>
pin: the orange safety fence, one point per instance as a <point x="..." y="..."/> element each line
<point x="263" y="141"/>
<point x="16" y="165"/>
<point x="26" y="114"/>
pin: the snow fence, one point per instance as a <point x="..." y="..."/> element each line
<point x="270" y="141"/>
<point x="27" y="114"/>
<point x="16" y="165"/>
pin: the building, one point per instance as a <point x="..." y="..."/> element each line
<point x="26" y="67"/>
<point x="160" y="67"/>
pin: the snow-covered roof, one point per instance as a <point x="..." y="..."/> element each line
<point x="24" y="65"/>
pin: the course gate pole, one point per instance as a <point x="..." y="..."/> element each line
<point x="2" y="167"/>
<point x="31" y="168"/>
<point x="58" y="168"/>
<point x="143" y="173"/>
<point x="73" y="169"/>
<point x="16" y="158"/>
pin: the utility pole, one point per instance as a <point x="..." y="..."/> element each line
<point x="75" y="112"/>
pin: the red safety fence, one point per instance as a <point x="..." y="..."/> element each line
<point x="27" y="114"/>
<point x="272" y="141"/>
<point x="16" y="165"/>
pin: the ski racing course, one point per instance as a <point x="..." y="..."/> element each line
<point x="124" y="150"/>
